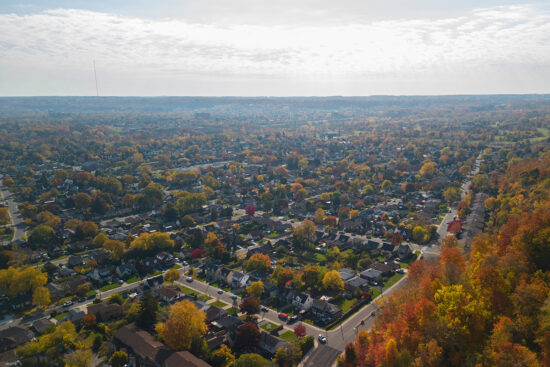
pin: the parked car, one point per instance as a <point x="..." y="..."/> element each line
<point x="234" y="297"/>
<point x="283" y="316"/>
<point x="220" y="291"/>
<point x="264" y="309"/>
<point x="322" y="339"/>
<point x="292" y="319"/>
<point x="67" y="304"/>
<point x="189" y="279"/>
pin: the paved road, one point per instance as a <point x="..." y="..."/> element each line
<point x="16" y="219"/>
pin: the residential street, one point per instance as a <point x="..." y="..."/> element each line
<point x="16" y="219"/>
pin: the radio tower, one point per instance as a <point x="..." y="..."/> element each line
<point x="95" y="76"/>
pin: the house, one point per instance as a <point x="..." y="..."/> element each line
<point x="99" y="256"/>
<point x="154" y="282"/>
<point x="325" y="311"/>
<point x="56" y="291"/>
<point x="356" y="282"/>
<point x="184" y="359"/>
<point x="105" y="311"/>
<point x="270" y="343"/>
<point x="270" y="289"/>
<point x="214" y="313"/>
<point x="41" y="326"/>
<point x="75" y="260"/>
<point x="346" y="274"/>
<point x="101" y="275"/>
<point x="149" y="351"/>
<point x="125" y="270"/>
<point x="302" y="301"/>
<point x="75" y="316"/>
<point x="371" y="275"/>
<point x="13" y="337"/>
<point x="239" y="279"/>
<point x="404" y="251"/>
<point x="168" y="294"/>
<point x="165" y="259"/>
<point x="387" y="269"/>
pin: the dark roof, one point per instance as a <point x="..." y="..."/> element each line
<point x="184" y="359"/>
<point x="15" y="336"/>
<point x="142" y="343"/>
<point x="346" y="274"/>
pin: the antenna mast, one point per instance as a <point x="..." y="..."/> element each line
<point x="95" y="76"/>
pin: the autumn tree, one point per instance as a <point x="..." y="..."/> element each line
<point x="282" y="275"/>
<point x="171" y="275"/>
<point x="185" y="323"/>
<point x="332" y="282"/>
<point x="250" y="210"/>
<point x="255" y="289"/>
<point x="288" y="356"/>
<point x="222" y="357"/>
<point x="249" y="305"/>
<point x="300" y="330"/>
<point x="248" y="337"/>
<point x="116" y="248"/>
<point x="304" y="232"/>
<point x="311" y="276"/>
<point x="258" y="262"/>
<point x="251" y="360"/>
<point x="118" y="359"/>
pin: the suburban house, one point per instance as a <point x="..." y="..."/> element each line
<point x="270" y="343"/>
<point x="239" y="279"/>
<point x="302" y="301"/>
<point x="13" y="337"/>
<point x="184" y="359"/>
<point x="105" y="311"/>
<point x="404" y="251"/>
<point x="371" y="275"/>
<point x="168" y="294"/>
<point x="101" y="275"/>
<point x="324" y="310"/>
<point x="149" y="351"/>
<point x="346" y="274"/>
<point x="355" y="283"/>
<point x="125" y="270"/>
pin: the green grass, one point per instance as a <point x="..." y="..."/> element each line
<point x="394" y="279"/>
<point x="60" y="316"/>
<point x="269" y="326"/>
<point x="91" y="293"/>
<point x="219" y="304"/>
<point x="108" y="287"/>
<point x="186" y="290"/>
<point x="232" y="311"/>
<point x="345" y="304"/>
<point x="176" y="266"/>
<point x="288" y="336"/>
<point x="375" y="293"/>
<point x="154" y="274"/>
<point x="320" y="257"/>
<point x="273" y="235"/>
<point x="133" y="280"/>
<point x="403" y="265"/>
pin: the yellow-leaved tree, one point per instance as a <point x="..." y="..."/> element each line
<point x="185" y="323"/>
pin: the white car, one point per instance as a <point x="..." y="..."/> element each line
<point x="322" y="339"/>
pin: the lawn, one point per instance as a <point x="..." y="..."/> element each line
<point x="345" y="304"/>
<point x="269" y="326"/>
<point x="319" y="257"/>
<point x="200" y="296"/>
<point x="60" y="316"/>
<point x="154" y="274"/>
<point x="233" y="311"/>
<point x="273" y="235"/>
<point x="176" y="266"/>
<point x="133" y="280"/>
<point x="108" y="287"/>
<point x="219" y="304"/>
<point x="91" y="293"/>
<point x="375" y="293"/>
<point x="288" y="336"/>
<point x="394" y="279"/>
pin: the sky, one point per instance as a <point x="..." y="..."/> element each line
<point x="273" y="47"/>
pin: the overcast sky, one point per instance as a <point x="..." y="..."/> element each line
<point x="274" y="47"/>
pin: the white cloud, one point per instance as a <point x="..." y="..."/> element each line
<point x="497" y="41"/>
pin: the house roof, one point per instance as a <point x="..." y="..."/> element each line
<point x="142" y="343"/>
<point x="325" y="306"/>
<point x="271" y="341"/>
<point x="184" y="359"/>
<point x="16" y="335"/>
<point x="371" y="273"/>
<point x="356" y="282"/>
<point x="346" y="274"/>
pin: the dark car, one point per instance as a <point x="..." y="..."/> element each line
<point x="264" y="309"/>
<point x="292" y="319"/>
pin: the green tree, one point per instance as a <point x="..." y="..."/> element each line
<point x="118" y="359"/>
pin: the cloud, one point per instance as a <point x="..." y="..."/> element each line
<point x="490" y="40"/>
